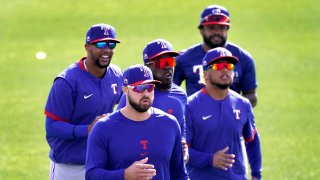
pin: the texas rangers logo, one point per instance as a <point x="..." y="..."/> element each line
<point x="106" y="30"/>
<point x="222" y="53"/>
<point x="114" y="88"/>
<point x="216" y="11"/>
<point x="144" y="144"/>
<point x="145" y="74"/>
<point x="237" y="113"/>
<point x="163" y="44"/>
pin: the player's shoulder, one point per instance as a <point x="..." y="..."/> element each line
<point x="175" y="89"/>
<point x="70" y="72"/>
<point x="158" y="113"/>
<point x="238" y="51"/>
<point x="110" y="120"/>
<point x="234" y="96"/>
<point x="115" y="69"/>
<point x="197" y="96"/>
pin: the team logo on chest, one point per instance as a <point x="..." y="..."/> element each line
<point x="114" y="88"/>
<point x="237" y="113"/>
<point x="144" y="144"/>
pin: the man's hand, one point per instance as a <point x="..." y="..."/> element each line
<point x="95" y="121"/>
<point x="139" y="170"/>
<point x="223" y="160"/>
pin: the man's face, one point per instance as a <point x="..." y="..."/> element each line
<point x="141" y="101"/>
<point x="221" y="79"/>
<point x="214" y="35"/>
<point x="162" y="68"/>
<point x="101" y="53"/>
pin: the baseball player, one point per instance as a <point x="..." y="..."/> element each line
<point x="80" y="95"/>
<point x="214" y="26"/>
<point x="159" y="56"/>
<point x="217" y="118"/>
<point x="131" y="143"/>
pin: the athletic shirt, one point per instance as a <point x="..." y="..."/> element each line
<point x="213" y="125"/>
<point x="77" y="97"/>
<point x="189" y="68"/>
<point x="116" y="142"/>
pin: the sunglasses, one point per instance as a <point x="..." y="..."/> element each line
<point x="220" y="66"/>
<point x="163" y="62"/>
<point x="220" y="18"/>
<point x="102" y="45"/>
<point x="142" y="88"/>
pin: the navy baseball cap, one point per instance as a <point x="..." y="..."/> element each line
<point x="138" y="74"/>
<point x="156" y="48"/>
<point x="215" y="14"/>
<point x="216" y="55"/>
<point x="101" y="32"/>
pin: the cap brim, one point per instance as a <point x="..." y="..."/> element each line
<point x="106" y="39"/>
<point x="173" y="53"/>
<point x="219" y="23"/>
<point x="231" y="59"/>
<point x="145" y="82"/>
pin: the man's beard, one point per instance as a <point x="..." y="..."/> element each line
<point x="163" y="85"/>
<point x="137" y="106"/>
<point x="208" y="42"/>
<point x="99" y="65"/>
<point x="220" y="86"/>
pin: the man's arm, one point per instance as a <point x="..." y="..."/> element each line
<point x="252" y="96"/>
<point x="254" y="156"/>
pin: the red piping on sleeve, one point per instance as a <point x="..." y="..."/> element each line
<point x="252" y="137"/>
<point x="54" y="117"/>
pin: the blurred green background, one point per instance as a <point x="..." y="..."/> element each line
<point x="282" y="36"/>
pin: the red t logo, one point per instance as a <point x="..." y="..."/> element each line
<point x="144" y="143"/>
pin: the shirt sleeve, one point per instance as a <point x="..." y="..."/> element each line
<point x="254" y="156"/>
<point x="252" y="139"/>
<point x="196" y="158"/>
<point x="177" y="167"/>
<point x="58" y="110"/>
<point x="248" y="82"/>
<point x="98" y="157"/>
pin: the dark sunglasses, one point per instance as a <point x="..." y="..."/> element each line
<point x="163" y="62"/>
<point x="142" y="88"/>
<point x="221" y="65"/>
<point x="216" y="18"/>
<point x="102" y="45"/>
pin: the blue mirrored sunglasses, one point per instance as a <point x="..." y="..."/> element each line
<point x="102" y="45"/>
<point x="142" y="88"/>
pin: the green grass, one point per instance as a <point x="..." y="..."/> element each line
<point x="282" y="36"/>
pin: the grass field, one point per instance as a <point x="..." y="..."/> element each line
<point x="282" y="36"/>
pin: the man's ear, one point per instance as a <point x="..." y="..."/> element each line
<point x="124" y="90"/>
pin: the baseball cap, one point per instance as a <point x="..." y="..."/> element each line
<point x="156" y="48"/>
<point x="138" y="74"/>
<point x="101" y="32"/>
<point x="215" y="14"/>
<point x="216" y="55"/>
